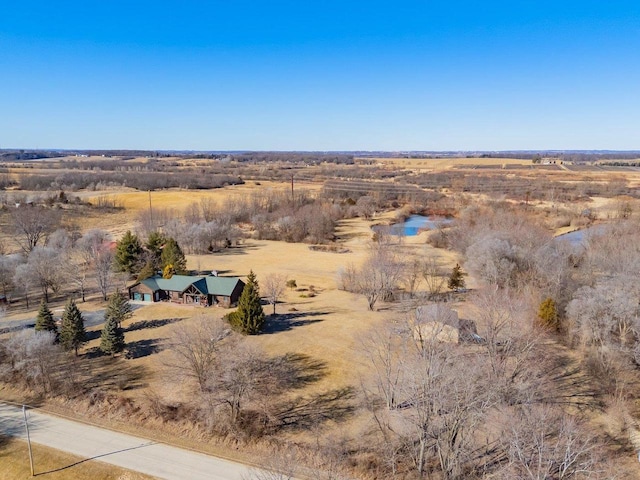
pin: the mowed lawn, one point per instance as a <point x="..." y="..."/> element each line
<point x="328" y="325"/>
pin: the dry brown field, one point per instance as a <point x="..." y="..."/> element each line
<point x="327" y="327"/>
<point x="55" y="465"/>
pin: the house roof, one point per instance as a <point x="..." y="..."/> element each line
<point x="207" y="285"/>
<point x="221" y="285"/>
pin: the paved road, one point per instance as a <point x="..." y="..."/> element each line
<point x="133" y="453"/>
<point x="91" y="319"/>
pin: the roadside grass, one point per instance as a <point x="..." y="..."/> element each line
<point x="53" y="464"/>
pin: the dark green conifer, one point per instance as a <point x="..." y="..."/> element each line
<point x="147" y="271"/>
<point x="172" y="255"/>
<point x="112" y="337"/>
<point x="154" y="246"/>
<point x="249" y="318"/>
<point x="128" y="253"/>
<point x="118" y="308"/>
<point x="72" y="332"/>
<point x="456" y="279"/>
<point x="45" y="321"/>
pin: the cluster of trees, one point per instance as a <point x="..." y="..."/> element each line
<point x="65" y="259"/>
<point x="206" y="226"/>
<point x="305" y="158"/>
<point x="76" y="180"/>
<point x="440" y="409"/>
<point x="158" y="254"/>
<point x="37" y="358"/>
<point x="234" y="389"/>
<point x="384" y="272"/>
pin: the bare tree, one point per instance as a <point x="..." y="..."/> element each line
<point x="515" y="363"/>
<point x="273" y="287"/>
<point x="33" y="358"/>
<point x="60" y="240"/>
<point x="8" y="264"/>
<point x="347" y="278"/>
<point x="543" y="442"/>
<point x="378" y="276"/>
<point x="384" y="349"/>
<point x="434" y="399"/>
<point x="412" y="271"/>
<point x="195" y="349"/>
<point x="208" y="209"/>
<point x="103" y="264"/>
<point x="434" y="276"/>
<point x="235" y="381"/>
<point x="366" y="207"/>
<point x="44" y="268"/>
<point x="33" y="224"/>
<point x="493" y="259"/>
<point x="93" y="252"/>
<point x="606" y="313"/>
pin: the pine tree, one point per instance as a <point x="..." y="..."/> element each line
<point x="72" y="333"/>
<point x="128" y="253"/>
<point x="112" y="337"/>
<point x="172" y="255"/>
<point x="249" y="318"/>
<point x="456" y="279"/>
<point x="45" y="321"/>
<point x="154" y="246"/>
<point x="118" y="308"/>
<point x="147" y="271"/>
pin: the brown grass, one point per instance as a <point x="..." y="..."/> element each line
<point x="55" y="465"/>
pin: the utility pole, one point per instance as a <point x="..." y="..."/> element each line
<point x="293" y="202"/>
<point x="150" y="210"/>
<point x="26" y="426"/>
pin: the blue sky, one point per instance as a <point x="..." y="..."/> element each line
<point x="320" y="75"/>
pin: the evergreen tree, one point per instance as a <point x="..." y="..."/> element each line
<point x="548" y="314"/>
<point x="45" y="321"/>
<point x="112" y="337"/>
<point x="72" y="333"/>
<point x="147" y="271"/>
<point x="249" y="318"/>
<point x="128" y="253"/>
<point x="172" y="255"/>
<point x="456" y="279"/>
<point x="118" y="308"/>
<point x="154" y="246"/>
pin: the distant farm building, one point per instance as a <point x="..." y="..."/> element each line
<point x="188" y="290"/>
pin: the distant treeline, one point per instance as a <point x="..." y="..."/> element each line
<point x="620" y="164"/>
<point x="293" y="157"/>
<point x="575" y="157"/>
<point x="16" y="155"/>
<point x="72" y="181"/>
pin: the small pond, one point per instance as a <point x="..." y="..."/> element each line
<point x="580" y="237"/>
<point x="414" y="224"/>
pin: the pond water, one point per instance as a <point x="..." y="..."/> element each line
<point x="414" y="224"/>
<point x="580" y="237"/>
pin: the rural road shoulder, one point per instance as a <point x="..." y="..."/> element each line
<point x="133" y="453"/>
